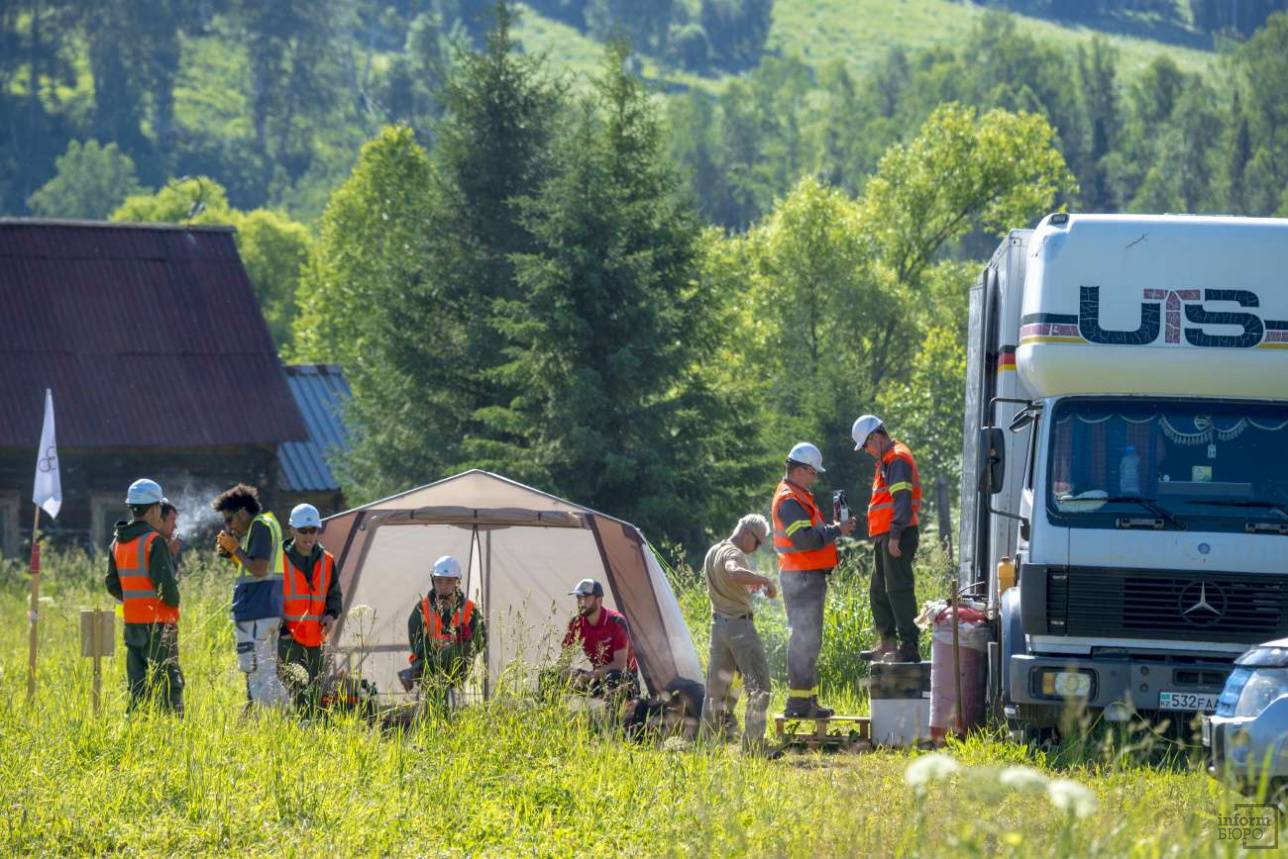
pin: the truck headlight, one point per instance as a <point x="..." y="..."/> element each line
<point x="1066" y="684"/>
<point x="1248" y="691"/>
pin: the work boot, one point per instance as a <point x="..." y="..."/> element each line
<point x="820" y="712"/>
<point x="806" y="708"/>
<point x="907" y="652"/>
<point x="885" y="644"/>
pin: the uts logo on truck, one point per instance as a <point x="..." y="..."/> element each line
<point x="1177" y="316"/>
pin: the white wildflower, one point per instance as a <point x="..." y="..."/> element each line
<point x="928" y="768"/>
<point x="361" y="612"/>
<point x="293" y="673"/>
<point x="1024" y="779"/>
<point x="676" y="744"/>
<point x="1071" y="796"/>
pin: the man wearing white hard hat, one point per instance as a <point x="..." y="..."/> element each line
<point x="140" y="575"/>
<point x="445" y="631"/>
<point x="806" y="547"/>
<point x="892" y="526"/>
<point x="311" y="602"/>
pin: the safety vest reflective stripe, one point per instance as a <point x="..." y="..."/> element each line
<point x="790" y="557"/>
<point x="796" y="526"/>
<point x="881" y="506"/>
<point x="276" y="560"/>
<point x="140" y="603"/>
<point x="304" y="598"/>
<point x="458" y="631"/>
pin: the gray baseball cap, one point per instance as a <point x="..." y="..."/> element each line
<point x="587" y="588"/>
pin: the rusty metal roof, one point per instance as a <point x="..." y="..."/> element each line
<point x="321" y="393"/>
<point x="148" y="334"/>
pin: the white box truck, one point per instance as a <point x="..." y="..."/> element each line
<point x="1126" y="448"/>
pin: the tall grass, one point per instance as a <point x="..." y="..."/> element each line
<point x="509" y="777"/>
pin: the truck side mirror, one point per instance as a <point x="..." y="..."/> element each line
<point x="992" y="460"/>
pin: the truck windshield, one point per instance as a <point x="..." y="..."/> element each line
<point x="1202" y="465"/>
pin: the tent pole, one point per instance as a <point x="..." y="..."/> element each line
<point x="487" y="607"/>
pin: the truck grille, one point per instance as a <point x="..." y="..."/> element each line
<point x="1230" y="607"/>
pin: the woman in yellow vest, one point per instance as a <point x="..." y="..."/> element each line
<point x="806" y="547"/>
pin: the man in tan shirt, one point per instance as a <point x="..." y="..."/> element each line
<point x="734" y="641"/>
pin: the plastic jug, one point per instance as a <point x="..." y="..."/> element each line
<point x="1129" y="472"/>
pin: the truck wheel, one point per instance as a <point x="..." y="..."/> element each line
<point x="1032" y="728"/>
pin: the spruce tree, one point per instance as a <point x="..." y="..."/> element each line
<point x="610" y="334"/>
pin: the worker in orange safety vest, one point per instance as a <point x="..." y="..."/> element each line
<point x="446" y="631"/>
<point x="311" y="602"/>
<point x="893" y="527"/>
<point x="806" y="547"/>
<point x="140" y="575"/>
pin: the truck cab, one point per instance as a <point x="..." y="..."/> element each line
<point x="1127" y="454"/>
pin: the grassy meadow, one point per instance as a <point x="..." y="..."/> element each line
<point x="859" y="33"/>
<point x="517" y="777"/>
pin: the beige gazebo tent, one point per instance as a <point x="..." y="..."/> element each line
<point x="522" y="551"/>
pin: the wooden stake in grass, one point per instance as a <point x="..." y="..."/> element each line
<point x="97" y="637"/>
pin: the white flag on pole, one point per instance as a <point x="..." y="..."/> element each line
<point x="48" y="493"/>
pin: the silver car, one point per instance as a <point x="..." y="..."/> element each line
<point x="1247" y="737"/>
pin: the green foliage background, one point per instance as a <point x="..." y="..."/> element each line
<point x="634" y="275"/>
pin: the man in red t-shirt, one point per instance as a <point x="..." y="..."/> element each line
<point x="606" y="641"/>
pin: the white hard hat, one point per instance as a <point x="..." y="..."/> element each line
<point x="144" y="492"/>
<point x="305" y="516"/>
<point x="807" y="454"/>
<point x="864" y="427"/>
<point x="446" y="567"/>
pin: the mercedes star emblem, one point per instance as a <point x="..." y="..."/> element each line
<point x="1204" y="605"/>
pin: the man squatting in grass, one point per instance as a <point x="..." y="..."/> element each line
<point x="311" y="602"/>
<point x="806" y="547"/>
<point x="605" y="638"/>
<point x="734" y="642"/>
<point x="140" y="575"/>
<point x="252" y="540"/>
<point x="445" y="632"/>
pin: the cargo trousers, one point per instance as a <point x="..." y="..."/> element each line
<point x="152" y="669"/>
<point x="735" y="645"/>
<point x="893" y="591"/>
<point x="257" y="659"/>
<point x="804" y="595"/>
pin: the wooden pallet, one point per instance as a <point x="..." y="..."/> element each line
<point x="832" y="732"/>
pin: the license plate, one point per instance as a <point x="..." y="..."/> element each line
<point x="1192" y="701"/>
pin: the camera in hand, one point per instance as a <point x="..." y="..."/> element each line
<point x="840" y="507"/>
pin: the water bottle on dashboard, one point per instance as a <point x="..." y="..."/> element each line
<point x="1129" y="472"/>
